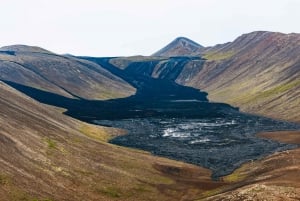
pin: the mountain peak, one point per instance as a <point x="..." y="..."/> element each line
<point x="181" y="46"/>
<point x="24" y="48"/>
<point x="186" y="41"/>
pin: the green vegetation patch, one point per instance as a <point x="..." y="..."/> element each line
<point x="279" y="89"/>
<point x="19" y="195"/>
<point x="257" y="96"/>
<point x="3" y="179"/>
<point x="234" y="177"/>
<point x="51" y="143"/>
<point x="14" y="192"/>
<point x="143" y="188"/>
<point x="112" y="192"/>
<point x="210" y="193"/>
<point x="95" y="133"/>
<point x="254" y="95"/>
<point x="218" y="55"/>
<point x="107" y="94"/>
<point x="238" y="175"/>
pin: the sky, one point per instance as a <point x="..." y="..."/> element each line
<point x="138" y="27"/>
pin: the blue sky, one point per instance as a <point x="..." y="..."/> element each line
<point x="132" y="27"/>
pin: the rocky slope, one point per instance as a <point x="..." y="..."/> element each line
<point x="258" y="72"/>
<point x="64" y="75"/>
<point x="179" y="47"/>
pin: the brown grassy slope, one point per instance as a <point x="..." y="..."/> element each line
<point x="64" y="75"/>
<point x="276" y="177"/>
<point x="46" y="155"/>
<point x="258" y="72"/>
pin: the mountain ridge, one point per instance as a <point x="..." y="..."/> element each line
<point x="65" y="75"/>
<point x="180" y="46"/>
<point x="25" y="48"/>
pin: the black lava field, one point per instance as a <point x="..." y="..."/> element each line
<point x="221" y="144"/>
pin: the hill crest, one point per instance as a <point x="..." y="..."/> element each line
<point x="24" y="48"/>
<point x="181" y="46"/>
